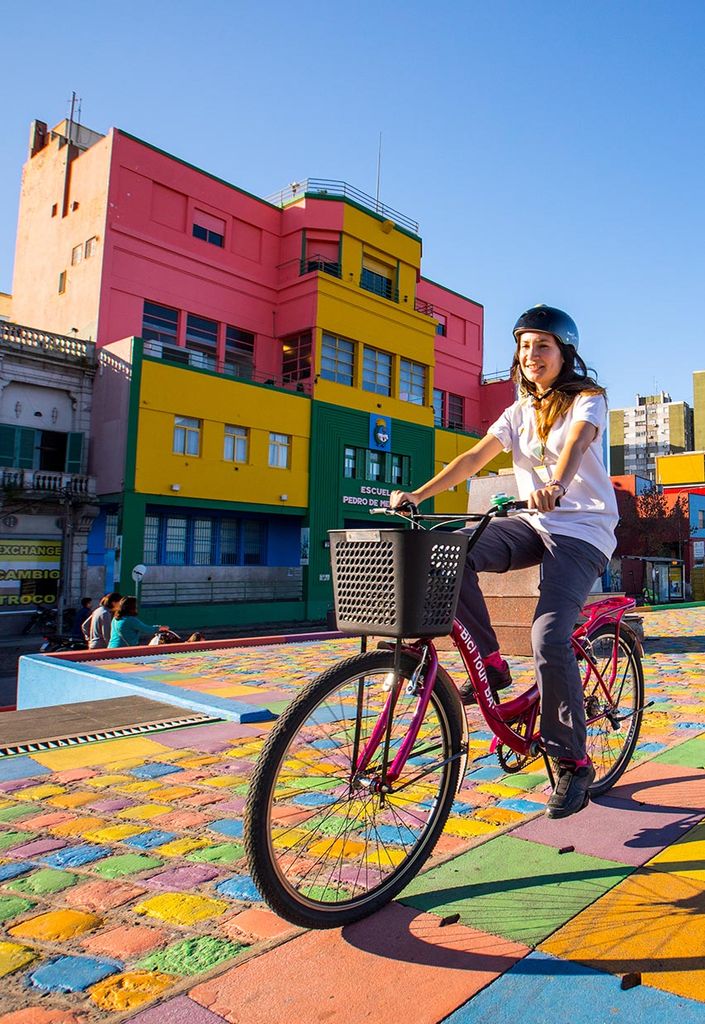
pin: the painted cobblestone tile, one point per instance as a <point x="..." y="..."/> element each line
<point x="127" y="813"/>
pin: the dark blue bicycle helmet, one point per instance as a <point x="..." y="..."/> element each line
<point x="552" y="321"/>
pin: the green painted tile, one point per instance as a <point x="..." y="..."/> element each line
<point x="43" y="881"/>
<point x="222" y="853"/>
<point x="18" y="811"/>
<point x="8" y="839"/>
<point x="529" y="781"/>
<point x="514" y="888"/>
<point x="690" y="754"/>
<point x="11" y="906"/>
<point x="191" y="956"/>
<point x="125" y="864"/>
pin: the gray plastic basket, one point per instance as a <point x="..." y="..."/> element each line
<point x="396" y="582"/>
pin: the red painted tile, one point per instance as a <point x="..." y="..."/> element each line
<point x="104" y="895"/>
<point x="125" y="941"/>
<point x="402" y="961"/>
<point x="260" y="924"/>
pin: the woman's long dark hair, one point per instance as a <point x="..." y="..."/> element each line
<point x="574" y="379"/>
<point x="128" y="606"/>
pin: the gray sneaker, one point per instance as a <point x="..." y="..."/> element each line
<point x="571" y="792"/>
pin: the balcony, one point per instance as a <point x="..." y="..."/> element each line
<point x="378" y="285"/>
<point x="320" y="263"/>
<point x="323" y="188"/>
<point x="74" y="486"/>
<point x="27" y="339"/>
<point x="196" y="360"/>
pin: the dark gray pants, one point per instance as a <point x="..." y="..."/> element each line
<point x="568" y="572"/>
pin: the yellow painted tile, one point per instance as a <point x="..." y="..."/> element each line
<point x="385" y="858"/>
<point x="198" y="762"/>
<point x="144" y="812"/>
<point x="70" y="800"/>
<point x="498" y="815"/>
<point x="685" y="858"/>
<point x="122" y="992"/>
<point x="172" y="793"/>
<point x="104" y="752"/>
<point x="288" y="838"/>
<point x="337" y="848"/>
<point x="468" y="827"/>
<point x="143" y="786"/>
<point x="180" y="847"/>
<point x="56" y="925"/>
<point x="13" y="956"/>
<point x="653" y="921"/>
<point x="221" y="781"/>
<point x="498" y="789"/>
<point x="105" y="781"/>
<point x="113" y="833"/>
<point x="181" y="908"/>
<point x="77" y="826"/>
<point x="39" y="792"/>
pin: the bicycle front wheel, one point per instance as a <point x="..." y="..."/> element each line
<point x="614" y="703"/>
<point x="325" y="847"/>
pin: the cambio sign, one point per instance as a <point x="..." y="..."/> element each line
<point x="29" y="572"/>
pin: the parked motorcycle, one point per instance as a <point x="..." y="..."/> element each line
<point x="57" y="642"/>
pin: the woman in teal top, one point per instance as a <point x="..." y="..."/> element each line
<point x="126" y="627"/>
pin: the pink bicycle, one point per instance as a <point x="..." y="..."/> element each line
<point x="359" y="775"/>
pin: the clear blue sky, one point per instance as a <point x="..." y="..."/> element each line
<point x="551" y="150"/>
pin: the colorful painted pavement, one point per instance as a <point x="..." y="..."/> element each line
<point x="124" y="893"/>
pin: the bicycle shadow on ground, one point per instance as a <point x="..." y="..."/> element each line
<point x="674" y="645"/>
<point x="660" y="835"/>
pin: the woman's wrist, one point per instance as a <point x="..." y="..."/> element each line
<point x="555" y="482"/>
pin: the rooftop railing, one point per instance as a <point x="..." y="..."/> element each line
<point x="45" y="342"/>
<point x="323" y="188"/>
<point x="492" y="378"/>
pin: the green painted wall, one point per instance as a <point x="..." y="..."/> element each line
<point x="332" y="428"/>
<point x="616" y="442"/>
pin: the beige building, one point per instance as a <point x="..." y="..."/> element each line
<point x="655" y="426"/>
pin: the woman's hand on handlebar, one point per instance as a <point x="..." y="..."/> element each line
<point x="545" y="499"/>
<point x="397" y="498"/>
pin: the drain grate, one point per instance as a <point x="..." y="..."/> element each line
<point x="76" y="739"/>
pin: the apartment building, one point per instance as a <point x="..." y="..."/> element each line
<point x="655" y="426"/>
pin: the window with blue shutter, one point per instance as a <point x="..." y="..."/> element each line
<point x="74" y="453"/>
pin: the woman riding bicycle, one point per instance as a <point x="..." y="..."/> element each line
<point x="554" y="432"/>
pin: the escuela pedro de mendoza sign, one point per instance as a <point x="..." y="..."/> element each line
<point x="365" y="496"/>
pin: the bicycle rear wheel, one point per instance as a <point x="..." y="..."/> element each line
<point x="325" y="849"/>
<point x="613" y="710"/>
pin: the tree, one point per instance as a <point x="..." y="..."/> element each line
<point x="652" y="524"/>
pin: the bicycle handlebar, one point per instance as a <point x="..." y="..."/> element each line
<point x="409" y="511"/>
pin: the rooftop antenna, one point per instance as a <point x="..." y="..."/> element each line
<point x="379" y="169"/>
<point x="71" y="119"/>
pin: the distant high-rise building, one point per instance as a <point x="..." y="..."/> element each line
<point x="699" y="410"/>
<point x="655" y="426"/>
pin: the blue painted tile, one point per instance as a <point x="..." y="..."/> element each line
<point x="72" y="973"/>
<point x="23" y="767"/>
<point x="487" y="774"/>
<point x="517" y="803"/>
<point x="8" y="871"/>
<point x="240" y="887"/>
<point x="227" y="827"/>
<point x="392" y="834"/>
<point x="559" y="990"/>
<point x="148" y="840"/>
<point x="154" y="771"/>
<point x="314" y="799"/>
<point x="76" y="856"/>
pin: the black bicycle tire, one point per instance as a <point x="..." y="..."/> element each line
<point x="256" y="823"/>
<point x="630" y="640"/>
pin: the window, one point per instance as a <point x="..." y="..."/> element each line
<point x="442" y="324"/>
<point x="151" y="540"/>
<point x="337" y="359"/>
<point x="455" y="411"/>
<point x="239" y="352"/>
<point x="62" y="282"/>
<point x="348" y="463"/>
<point x="228" y="542"/>
<point x="437" y="407"/>
<point x="396" y="469"/>
<point x="701" y="519"/>
<point x="412" y="382"/>
<point x="111" y="525"/>
<point x="202" y="341"/>
<point x="235" y="444"/>
<point x="296" y="358"/>
<point x="374" y="465"/>
<point x="160" y="323"/>
<point x="91" y="247"/>
<point x="76" y="254"/>
<point x="202" y="541"/>
<point x="175" y="540"/>
<point x="54" y="209"/>
<point x="187" y="436"/>
<point x="376" y="371"/>
<point x="279" y="445"/>
<point x="378" y="277"/>
<point x="209" y="229"/>
<point x="252" y="542"/>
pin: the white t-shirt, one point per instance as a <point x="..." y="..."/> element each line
<point x="589" y="509"/>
